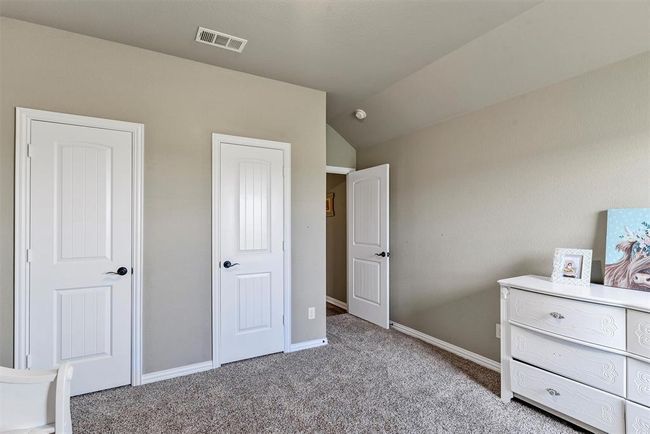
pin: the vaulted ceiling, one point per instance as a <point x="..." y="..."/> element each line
<point x="408" y="63"/>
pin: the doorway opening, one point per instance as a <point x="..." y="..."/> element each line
<point x="336" y="244"/>
<point x="357" y="229"/>
<point x="78" y="247"/>
<point x="251" y="248"/>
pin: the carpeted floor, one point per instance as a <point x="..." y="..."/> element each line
<point x="366" y="380"/>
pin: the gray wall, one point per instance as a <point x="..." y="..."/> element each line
<point x="339" y="152"/>
<point x="336" y="270"/>
<point x="181" y="103"/>
<point x="491" y="194"/>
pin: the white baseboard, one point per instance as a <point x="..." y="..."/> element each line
<point x="465" y="354"/>
<point x="308" y="344"/>
<point x="152" y="377"/>
<point x="337" y="303"/>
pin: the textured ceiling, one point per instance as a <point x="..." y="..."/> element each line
<point x="350" y="48"/>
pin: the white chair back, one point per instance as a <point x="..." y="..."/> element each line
<point x="37" y="400"/>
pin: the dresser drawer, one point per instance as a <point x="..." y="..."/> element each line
<point x="603" y="370"/>
<point x="586" y="404"/>
<point x="638" y="332"/>
<point x="590" y="322"/>
<point x="637" y="418"/>
<point x="638" y="381"/>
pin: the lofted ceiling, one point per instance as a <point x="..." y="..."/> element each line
<point x="408" y="63"/>
<point x="349" y="48"/>
<point x="548" y="43"/>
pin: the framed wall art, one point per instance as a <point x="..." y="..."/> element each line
<point x="329" y="205"/>
<point x="572" y="266"/>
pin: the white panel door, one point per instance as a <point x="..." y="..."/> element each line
<point x="252" y="258"/>
<point x="368" y="250"/>
<point x="80" y="231"/>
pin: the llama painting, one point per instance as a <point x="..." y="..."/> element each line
<point x="627" y="250"/>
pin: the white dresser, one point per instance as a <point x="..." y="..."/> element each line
<point x="582" y="353"/>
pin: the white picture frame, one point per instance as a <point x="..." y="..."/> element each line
<point x="572" y="266"/>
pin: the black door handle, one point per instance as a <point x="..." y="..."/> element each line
<point x="383" y="254"/>
<point x="120" y="271"/>
<point x="228" y="264"/>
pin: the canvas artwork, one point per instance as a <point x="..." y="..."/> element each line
<point x="627" y="250"/>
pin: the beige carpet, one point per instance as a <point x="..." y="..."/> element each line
<point x="366" y="380"/>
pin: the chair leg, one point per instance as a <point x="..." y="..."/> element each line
<point x="62" y="418"/>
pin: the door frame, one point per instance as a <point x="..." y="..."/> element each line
<point x="217" y="140"/>
<point x="22" y="208"/>
<point x="339" y="170"/>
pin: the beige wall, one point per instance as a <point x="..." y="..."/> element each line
<point x="491" y="194"/>
<point x="336" y="274"/>
<point x="339" y="152"/>
<point x="181" y="103"/>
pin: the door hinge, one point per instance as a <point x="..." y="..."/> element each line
<point x="29" y="150"/>
<point x="283" y="246"/>
<point x="28" y="361"/>
<point x="282" y="319"/>
<point x="29" y="255"/>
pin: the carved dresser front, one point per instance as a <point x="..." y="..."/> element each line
<point x="581" y="353"/>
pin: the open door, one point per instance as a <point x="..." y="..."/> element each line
<point x="368" y="250"/>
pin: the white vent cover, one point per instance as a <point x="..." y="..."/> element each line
<point x="218" y="39"/>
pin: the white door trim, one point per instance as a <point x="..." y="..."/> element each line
<point x="217" y="139"/>
<point x="24" y="117"/>
<point x="339" y="170"/>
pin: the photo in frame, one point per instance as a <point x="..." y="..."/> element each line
<point x="572" y="266"/>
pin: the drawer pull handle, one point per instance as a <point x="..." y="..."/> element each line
<point x="557" y="315"/>
<point x="553" y="392"/>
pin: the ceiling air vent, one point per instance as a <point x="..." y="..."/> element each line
<point x="218" y="39"/>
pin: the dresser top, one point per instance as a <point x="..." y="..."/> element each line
<point x="629" y="298"/>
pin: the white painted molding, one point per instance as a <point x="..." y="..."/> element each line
<point x="337" y="303"/>
<point x="181" y="371"/>
<point x="217" y="139"/>
<point x="24" y="117"/>
<point x="307" y="344"/>
<point x="339" y="170"/>
<point x="465" y="354"/>
<point x="137" y="274"/>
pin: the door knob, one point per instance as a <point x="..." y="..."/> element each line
<point x="228" y="264"/>
<point x="120" y="271"/>
<point x="383" y="254"/>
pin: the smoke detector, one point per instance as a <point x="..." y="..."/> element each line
<point x="221" y="40"/>
<point x="360" y="114"/>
